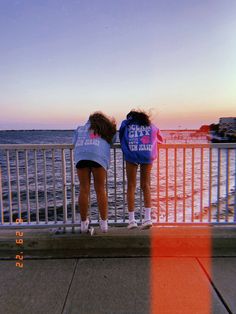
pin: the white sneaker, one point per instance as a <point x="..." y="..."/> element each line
<point x="84" y="226"/>
<point x="132" y="225"/>
<point x="103" y="226"/>
<point x="147" y="224"/>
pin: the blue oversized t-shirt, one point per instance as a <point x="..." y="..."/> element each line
<point x="90" y="146"/>
<point x="139" y="143"/>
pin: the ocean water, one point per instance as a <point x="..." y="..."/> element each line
<point x="36" y="137"/>
<point x="183" y="189"/>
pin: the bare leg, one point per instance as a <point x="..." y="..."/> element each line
<point x="131" y="171"/>
<point x="99" y="175"/>
<point x="145" y="184"/>
<point x="84" y="180"/>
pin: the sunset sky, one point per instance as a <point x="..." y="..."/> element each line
<point x="62" y="60"/>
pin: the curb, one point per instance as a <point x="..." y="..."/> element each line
<point x="202" y="241"/>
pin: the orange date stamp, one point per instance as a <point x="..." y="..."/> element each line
<point x="19" y="243"/>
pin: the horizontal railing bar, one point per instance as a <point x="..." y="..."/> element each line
<point x="41" y="225"/>
<point x="198" y="145"/>
<point x="35" y="146"/>
<point x="117" y="145"/>
<point x="119" y="223"/>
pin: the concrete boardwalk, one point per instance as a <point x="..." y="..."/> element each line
<point x="191" y="280"/>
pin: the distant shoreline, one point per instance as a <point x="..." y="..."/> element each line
<point x="37" y="130"/>
<point x="69" y="130"/>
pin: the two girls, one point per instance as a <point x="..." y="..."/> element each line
<point x="138" y="137"/>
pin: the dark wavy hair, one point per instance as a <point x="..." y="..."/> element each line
<point x="103" y="126"/>
<point x="139" y="117"/>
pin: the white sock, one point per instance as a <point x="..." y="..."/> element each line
<point x="131" y="216"/>
<point x="84" y="225"/>
<point x="103" y="224"/>
<point x="148" y="213"/>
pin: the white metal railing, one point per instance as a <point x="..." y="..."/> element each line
<point x="191" y="183"/>
<point x="196" y="183"/>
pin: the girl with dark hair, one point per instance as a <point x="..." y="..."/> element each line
<point x="92" y="156"/>
<point x="139" y="138"/>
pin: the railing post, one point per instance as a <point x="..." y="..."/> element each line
<point x="158" y="183"/>
<point x="201" y="184"/>
<point x="234" y="186"/>
<point x="210" y="186"/>
<point x="114" y="150"/>
<point x="45" y="185"/>
<point x="175" y="184"/>
<point x="140" y="199"/>
<point x="27" y="186"/>
<point x="64" y="187"/>
<point x="193" y="187"/>
<point x="218" y="184"/>
<point x="9" y="185"/>
<point x="36" y="186"/>
<point x="123" y="173"/>
<point x="184" y="183"/>
<point x="167" y="184"/>
<point x="54" y="186"/>
<point x="18" y="184"/>
<point x="72" y="187"/>
<point x="227" y="184"/>
<point x="1" y="200"/>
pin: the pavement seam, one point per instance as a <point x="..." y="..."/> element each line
<point x="214" y="287"/>
<point x="68" y="291"/>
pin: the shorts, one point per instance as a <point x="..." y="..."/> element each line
<point x="139" y="163"/>
<point x="87" y="164"/>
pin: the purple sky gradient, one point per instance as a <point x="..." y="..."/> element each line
<point x="61" y="60"/>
